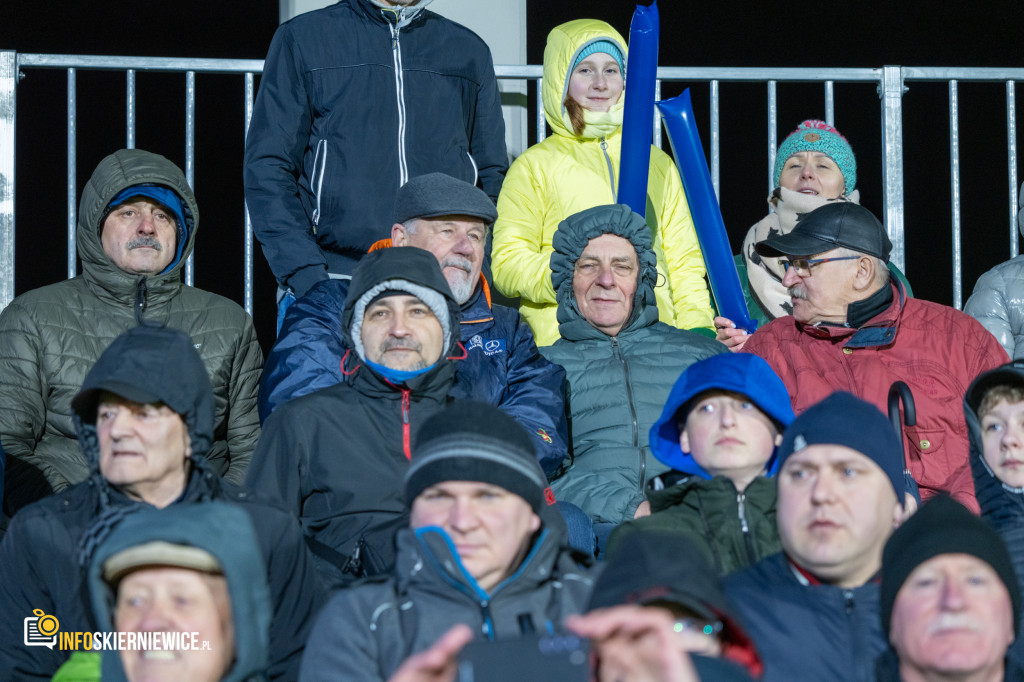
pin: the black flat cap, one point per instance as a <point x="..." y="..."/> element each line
<point x="436" y="194"/>
<point x="841" y="224"/>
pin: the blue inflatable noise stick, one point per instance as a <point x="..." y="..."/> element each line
<point x="704" y="208"/>
<point x="638" y="114"/>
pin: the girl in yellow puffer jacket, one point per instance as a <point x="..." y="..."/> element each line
<point x="578" y="168"/>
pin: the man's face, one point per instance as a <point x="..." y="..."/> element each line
<point x="144" y="448"/>
<point x="951" y="618"/>
<point x="402" y="333"/>
<point x="140" y="236"/>
<point x="824" y="295"/>
<point x="168" y="599"/>
<point x="836" y="509"/>
<point x="728" y="435"/>
<point x="458" y="244"/>
<point x="604" y="282"/>
<point x="490" y="526"/>
<point x="1002" y="436"/>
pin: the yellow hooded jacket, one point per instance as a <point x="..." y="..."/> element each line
<point x="566" y="174"/>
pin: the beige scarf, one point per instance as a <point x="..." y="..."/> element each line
<point x="763" y="272"/>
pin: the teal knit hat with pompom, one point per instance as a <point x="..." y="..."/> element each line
<point x="817" y="136"/>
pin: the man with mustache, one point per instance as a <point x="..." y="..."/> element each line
<point x="450" y="219"/>
<point x="137" y="223"/>
<point x="950" y="599"/>
<point x="854" y="328"/>
<point x="812" y="609"/>
<point x="336" y="457"/>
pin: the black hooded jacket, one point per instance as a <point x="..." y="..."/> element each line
<point x="337" y="457"/>
<point x="48" y="544"/>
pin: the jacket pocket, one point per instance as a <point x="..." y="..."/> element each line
<point x="931" y="463"/>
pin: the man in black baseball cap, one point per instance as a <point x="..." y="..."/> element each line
<point x="854" y="328"/>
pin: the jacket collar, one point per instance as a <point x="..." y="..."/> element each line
<point x="879" y="331"/>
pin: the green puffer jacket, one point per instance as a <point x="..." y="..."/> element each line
<point x="50" y="337"/>
<point x="617" y="385"/>
<point x="733" y="529"/>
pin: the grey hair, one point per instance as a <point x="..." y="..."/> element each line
<point x="881" y="267"/>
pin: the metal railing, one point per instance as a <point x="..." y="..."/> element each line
<point x="889" y="80"/>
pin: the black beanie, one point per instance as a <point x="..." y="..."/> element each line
<point x="472" y="441"/>
<point x="943" y="526"/>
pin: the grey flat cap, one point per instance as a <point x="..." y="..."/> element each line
<point x="438" y="194"/>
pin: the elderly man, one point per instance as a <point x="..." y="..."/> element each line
<point x="950" y="599"/>
<point x="184" y="569"/>
<point x="485" y="548"/>
<point x="137" y="224"/>
<point x="854" y="329"/>
<point x="450" y="218"/>
<point x="355" y="99"/>
<point x="337" y="457"/>
<point x="620" y="362"/>
<point x="145" y="421"/>
<point x="812" y="609"/>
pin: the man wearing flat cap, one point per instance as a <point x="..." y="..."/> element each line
<point x="854" y="328"/>
<point x="485" y="548"/>
<point x="812" y="609"/>
<point x="950" y="599"/>
<point x="449" y="218"/>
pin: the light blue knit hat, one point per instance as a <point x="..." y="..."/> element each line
<point x="817" y="136"/>
<point x="605" y="46"/>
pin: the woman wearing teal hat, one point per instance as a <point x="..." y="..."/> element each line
<point x="577" y="168"/>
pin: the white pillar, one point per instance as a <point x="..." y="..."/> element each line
<point x="502" y="25"/>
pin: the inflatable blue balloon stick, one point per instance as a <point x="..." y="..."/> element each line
<point x="638" y="116"/>
<point x="707" y="214"/>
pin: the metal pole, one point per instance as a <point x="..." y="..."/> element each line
<point x="716" y="143"/>
<point x="8" y="118"/>
<point x="541" y="123"/>
<point x="954" y="182"/>
<point x="130" y="108"/>
<point x="190" y="154"/>
<point x="830" y="103"/>
<point x="1011" y="154"/>
<point x="72" y="177"/>
<point x="773" y="135"/>
<point x="891" y="91"/>
<point x="248" y="295"/>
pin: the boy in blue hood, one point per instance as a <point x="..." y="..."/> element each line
<point x="720" y="429"/>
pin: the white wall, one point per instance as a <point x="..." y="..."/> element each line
<point x="502" y="25"/>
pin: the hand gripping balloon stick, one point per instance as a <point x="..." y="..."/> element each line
<point x="639" y="108"/>
<point x="707" y="214"/>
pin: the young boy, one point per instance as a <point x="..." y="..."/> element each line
<point x="719" y="429"/>
<point x="994" y="409"/>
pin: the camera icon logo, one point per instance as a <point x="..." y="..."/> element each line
<point x="41" y="629"/>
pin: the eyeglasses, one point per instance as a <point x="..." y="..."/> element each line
<point x="711" y="629"/>
<point x="803" y="265"/>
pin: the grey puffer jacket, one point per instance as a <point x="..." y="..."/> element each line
<point x="366" y="631"/>
<point x="50" y="337"/>
<point x="998" y="299"/>
<point x="617" y="385"/>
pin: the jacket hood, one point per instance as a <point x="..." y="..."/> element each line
<point x="147" y="365"/>
<point x="222" y="530"/>
<point x="1001" y="505"/>
<point x="741" y="373"/>
<point x="660" y="566"/>
<point x="563" y="46"/>
<point x="115" y="173"/>
<point x="398" y="268"/>
<point x="569" y="241"/>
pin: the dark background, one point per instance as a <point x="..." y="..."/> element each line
<point x="774" y="34"/>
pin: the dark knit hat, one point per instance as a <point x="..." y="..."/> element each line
<point x="437" y="194"/>
<point x="472" y="441"/>
<point x="943" y="526"/>
<point x="844" y="419"/>
<point x="834" y="225"/>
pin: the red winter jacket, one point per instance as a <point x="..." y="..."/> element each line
<point x="935" y="349"/>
